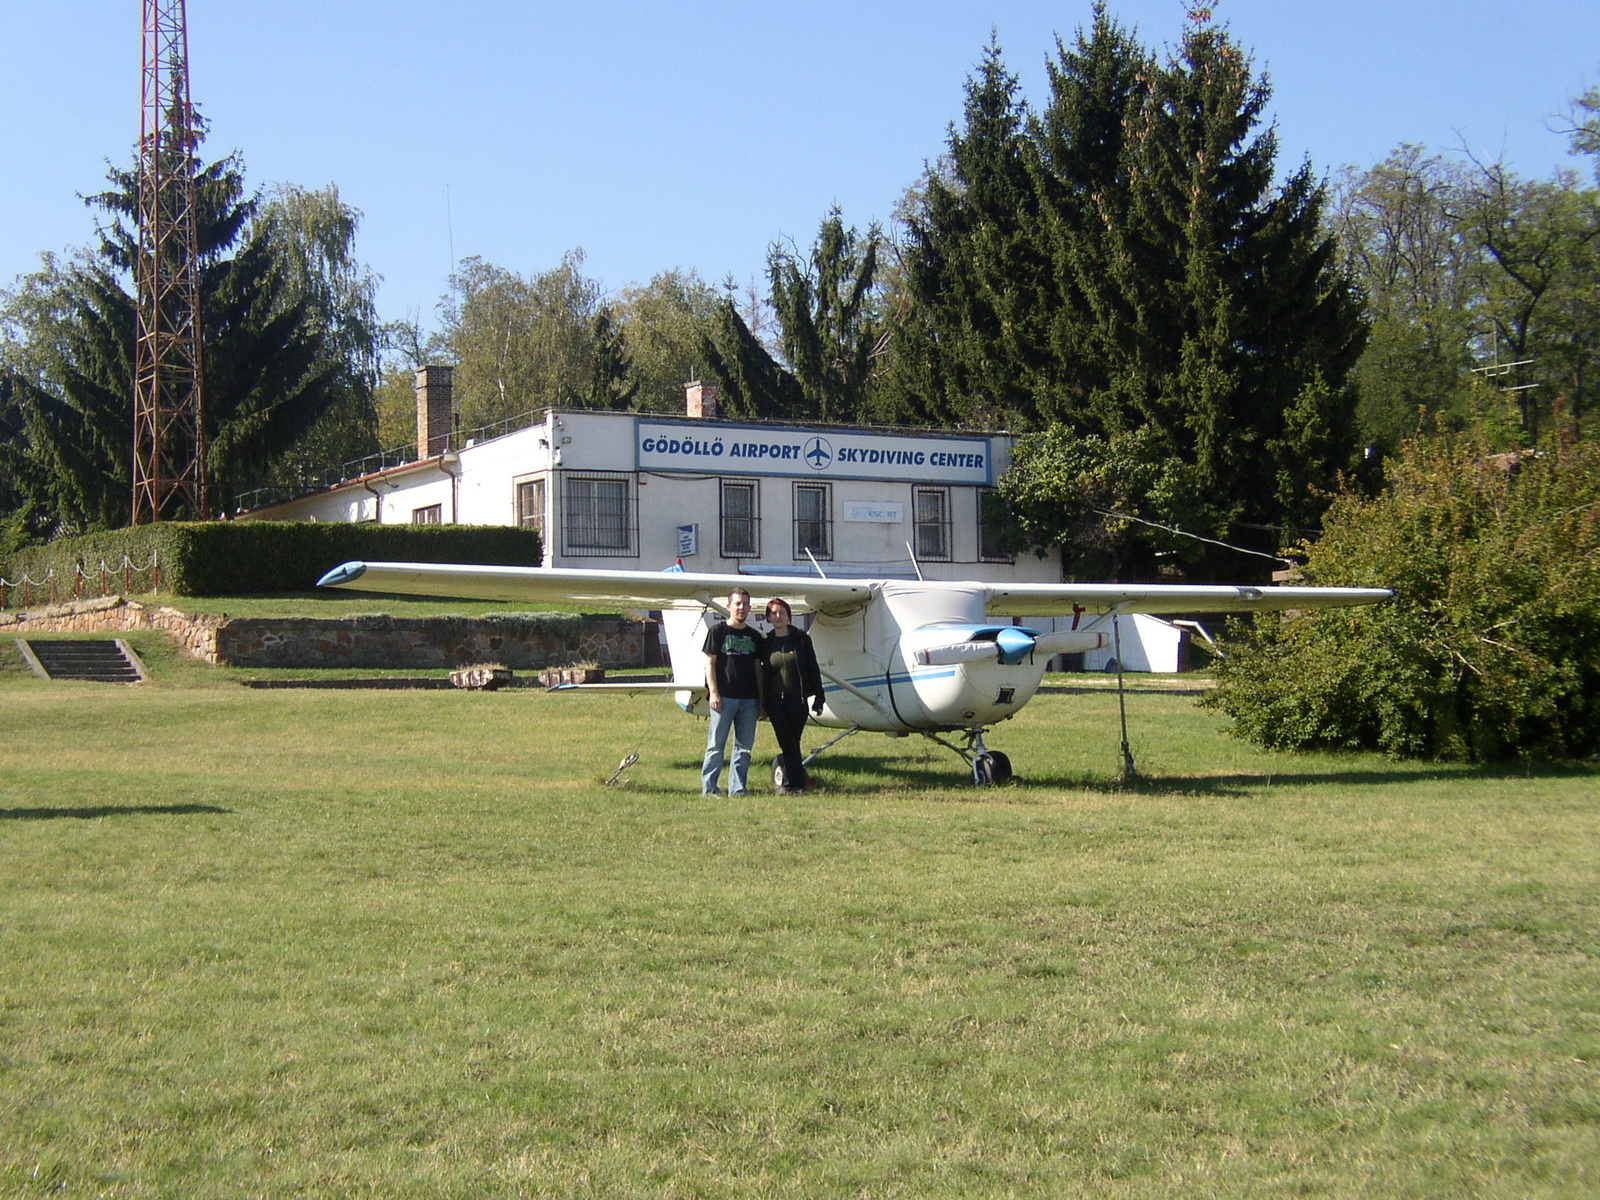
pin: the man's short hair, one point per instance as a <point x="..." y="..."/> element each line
<point x="739" y="591"/>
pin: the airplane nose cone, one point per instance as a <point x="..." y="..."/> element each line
<point x="1015" y="644"/>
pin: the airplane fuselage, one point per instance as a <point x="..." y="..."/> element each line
<point x="874" y="681"/>
<point x="875" y="651"/>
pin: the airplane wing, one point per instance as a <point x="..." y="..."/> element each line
<point x="609" y="589"/>
<point x="1061" y="599"/>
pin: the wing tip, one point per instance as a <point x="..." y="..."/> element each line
<point x="343" y="575"/>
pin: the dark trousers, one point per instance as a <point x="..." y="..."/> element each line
<point x="788" y="717"/>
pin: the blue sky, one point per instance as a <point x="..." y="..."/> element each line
<point x="691" y="135"/>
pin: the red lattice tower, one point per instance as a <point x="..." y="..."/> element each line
<point x="168" y="442"/>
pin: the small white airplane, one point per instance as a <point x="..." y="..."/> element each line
<point x="897" y="656"/>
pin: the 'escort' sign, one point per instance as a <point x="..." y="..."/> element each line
<point x="827" y="454"/>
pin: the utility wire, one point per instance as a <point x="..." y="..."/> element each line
<point x="1197" y="537"/>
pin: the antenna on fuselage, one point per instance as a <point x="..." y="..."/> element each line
<point x="914" y="564"/>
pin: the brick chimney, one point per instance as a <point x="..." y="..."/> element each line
<point x="702" y="400"/>
<point x="434" y="410"/>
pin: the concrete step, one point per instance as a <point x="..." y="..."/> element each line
<point x="108" y="660"/>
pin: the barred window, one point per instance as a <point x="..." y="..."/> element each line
<point x="813" y="521"/>
<point x="991" y="527"/>
<point x="599" y="514"/>
<point x="741" y="519"/>
<point x="931" y="523"/>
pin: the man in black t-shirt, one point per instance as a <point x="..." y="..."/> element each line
<point x="734" y="681"/>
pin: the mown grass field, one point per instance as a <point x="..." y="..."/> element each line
<point x="408" y="944"/>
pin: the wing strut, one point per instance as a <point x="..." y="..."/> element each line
<point x="1129" y="772"/>
<point x="806" y="761"/>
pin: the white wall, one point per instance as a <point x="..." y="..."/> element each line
<point x="1148" y="644"/>
<point x="663" y="498"/>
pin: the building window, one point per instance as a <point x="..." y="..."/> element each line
<point x="813" y="521"/>
<point x="931" y="523"/>
<point x="530" y="504"/>
<point x="991" y="527"/>
<point x="598" y="517"/>
<point x="433" y="514"/>
<point x="741" y="518"/>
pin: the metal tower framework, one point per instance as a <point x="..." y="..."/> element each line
<point x="168" y="439"/>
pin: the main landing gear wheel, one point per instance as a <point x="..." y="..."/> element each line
<point x="990" y="767"/>
<point x="780" y="777"/>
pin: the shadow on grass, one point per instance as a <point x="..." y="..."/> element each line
<point x="845" y="773"/>
<point x="109" y="810"/>
<point x="1239" y="784"/>
<point x="864" y="773"/>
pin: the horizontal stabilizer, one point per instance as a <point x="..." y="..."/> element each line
<point x="658" y="686"/>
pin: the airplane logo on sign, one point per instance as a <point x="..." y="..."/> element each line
<point x="819" y="454"/>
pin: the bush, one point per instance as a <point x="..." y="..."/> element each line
<point x="1490" y="649"/>
<point x="230" y="558"/>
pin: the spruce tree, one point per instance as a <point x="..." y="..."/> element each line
<point x="1124" y="263"/>
<point x="1085" y="181"/>
<point x="1216" y="304"/>
<point x="828" y="328"/>
<point x="269" y="374"/>
<point x="754" y="384"/>
<point x="611" y="383"/>
<point x="971" y="276"/>
<point x="829" y="334"/>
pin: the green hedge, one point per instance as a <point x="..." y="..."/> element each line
<point x="235" y="558"/>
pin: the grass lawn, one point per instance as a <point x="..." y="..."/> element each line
<point x="408" y="944"/>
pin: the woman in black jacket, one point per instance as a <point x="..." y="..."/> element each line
<point x="792" y="677"/>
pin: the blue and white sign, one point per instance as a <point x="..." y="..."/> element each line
<point x="688" y="541"/>
<point x="716" y="449"/>
<point x="886" y="512"/>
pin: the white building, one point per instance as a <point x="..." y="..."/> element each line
<point x="641" y="490"/>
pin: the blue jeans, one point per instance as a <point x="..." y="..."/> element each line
<point x="740" y="718"/>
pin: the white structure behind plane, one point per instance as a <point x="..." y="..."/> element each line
<point x="897" y="656"/>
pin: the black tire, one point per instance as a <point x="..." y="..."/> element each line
<point x="983" y="770"/>
<point x="1000" y="766"/>
<point x="780" y="777"/>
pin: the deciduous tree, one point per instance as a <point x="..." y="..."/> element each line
<point x="519" y="344"/>
<point x="665" y="324"/>
<point x="1490" y="649"/>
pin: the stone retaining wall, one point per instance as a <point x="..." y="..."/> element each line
<point x="521" y="641"/>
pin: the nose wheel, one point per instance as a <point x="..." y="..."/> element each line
<point x="989" y="768"/>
